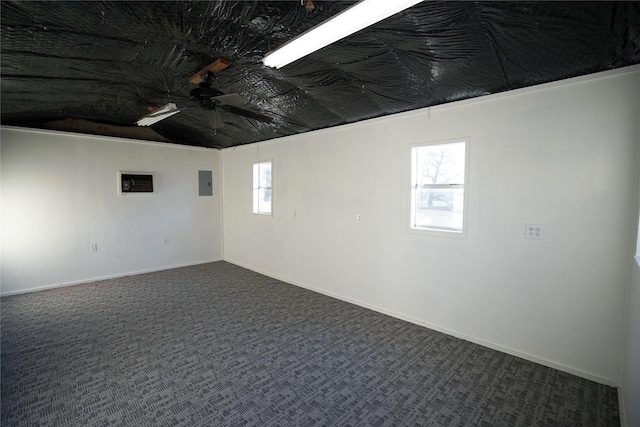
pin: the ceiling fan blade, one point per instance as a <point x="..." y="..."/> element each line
<point x="215" y="67"/>
<point x="215" y="119"/>
<point x="232" y="99"/>
<point x="255" y="115"/>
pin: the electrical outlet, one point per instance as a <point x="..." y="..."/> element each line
<point x="534" y="231"/>
<point x="166" y="240"/>
<point x="93" y="247"/>
<point x="358" y="217"/>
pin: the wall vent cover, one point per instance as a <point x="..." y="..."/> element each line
<point x="136" y="183"/>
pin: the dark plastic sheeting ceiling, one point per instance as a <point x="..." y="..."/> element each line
<point x="108" y="62"/>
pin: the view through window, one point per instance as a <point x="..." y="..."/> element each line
<point x="437" y="187"/>
<point x="262" y="188"/>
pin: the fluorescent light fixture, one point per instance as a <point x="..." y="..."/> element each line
<point x="347" y="22"/>
<point x="160" y="114"/>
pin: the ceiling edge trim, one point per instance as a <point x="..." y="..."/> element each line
<point x="79" y="135"/>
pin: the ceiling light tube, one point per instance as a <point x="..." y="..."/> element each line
<point x="347" y="22"/>
<point x="160" y="114"/>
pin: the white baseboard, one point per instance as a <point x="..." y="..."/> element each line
<point x="494" y="346"/>
<point x="97" y="279"/>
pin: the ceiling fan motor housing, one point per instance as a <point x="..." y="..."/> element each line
<point x="205" y="97"/>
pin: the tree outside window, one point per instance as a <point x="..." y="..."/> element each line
<point x="437" y="194"/>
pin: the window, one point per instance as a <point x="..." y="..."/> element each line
<point x="262" y="188"/>
<point x="437" y="186"/>
<point x="638" y="245"/>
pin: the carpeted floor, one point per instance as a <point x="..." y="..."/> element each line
<point x="218" y="345"/>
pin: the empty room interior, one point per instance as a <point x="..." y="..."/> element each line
<point x="427" y="220"/>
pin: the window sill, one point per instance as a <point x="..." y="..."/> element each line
<point x="438" y="233"/>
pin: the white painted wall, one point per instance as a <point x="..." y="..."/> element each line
<point x="560" y="154"/>
<point x="59" y="196"/>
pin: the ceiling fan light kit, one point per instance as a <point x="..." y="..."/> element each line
<point x="210" y="100"/>
<point x="160" y="114"/>
<point x="357" y="17"/>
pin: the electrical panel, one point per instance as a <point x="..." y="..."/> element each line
<point x="205" y="180"/>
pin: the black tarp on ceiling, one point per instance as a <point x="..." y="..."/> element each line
<point x="111" y="62"/>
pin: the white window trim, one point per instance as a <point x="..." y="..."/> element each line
<point x="465" y="208"/>
<point x="253" y="189"/>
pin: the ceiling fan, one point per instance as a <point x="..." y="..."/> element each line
<point x="209" y="99"/>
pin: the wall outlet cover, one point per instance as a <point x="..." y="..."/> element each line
<point x="534" y="231"/>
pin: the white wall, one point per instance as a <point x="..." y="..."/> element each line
<point x="59" y="196"/>
<point x="560" y="154"/>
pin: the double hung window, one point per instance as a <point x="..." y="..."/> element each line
<point x="438" y="186"/>
<point x="262" y="196"/>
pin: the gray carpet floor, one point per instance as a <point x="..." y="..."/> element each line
<point x="219" y="345"/>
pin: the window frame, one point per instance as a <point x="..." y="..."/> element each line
<point x="255" y="193"/>
<point x="436" y="231"/>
